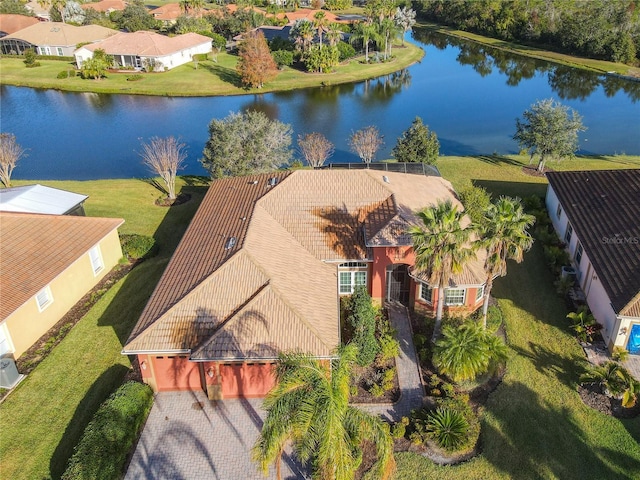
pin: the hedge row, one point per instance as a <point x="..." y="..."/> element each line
<point x="107" y="440"/>
<point x="137" y="247"/>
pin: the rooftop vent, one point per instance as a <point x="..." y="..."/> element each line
<point x="385" y="179"/>
<point x="254" y="182"/>
<point x="231" y="242"/>
<point x="272" y="181"/>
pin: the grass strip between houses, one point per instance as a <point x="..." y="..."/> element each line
<point x="534" y="425"/>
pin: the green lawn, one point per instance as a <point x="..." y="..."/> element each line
<point x="209" y="78"/>
<point x="535" y="425"/>
<point x="42" y="420"/>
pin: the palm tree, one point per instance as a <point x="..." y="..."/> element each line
<point x="610" y="376"/>
<point x="309" y="406"/>
<point x="467" y="351"/>
<point x="584" y="324"/>
<point x="302" y="33"/>
<point x="364" y="32"/>
<point x="334" y="34"/>
<point x="441" y="246"/>
<point x="505" y="236"/>
<point x="320" y="23"/>
<point x="405" y="18"/>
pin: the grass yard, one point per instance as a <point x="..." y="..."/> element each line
<point x="209" y="78"/>
<point x="535" y="425"/>
<point x="42" y="420"/>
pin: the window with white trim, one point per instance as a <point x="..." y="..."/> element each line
<point x="579" y="251"/>
<point x="96" y="259"/>
<point x="426" y="293"/>
<point x="350" y="275"/>
<point x="559" y="211"/>
<point x="454" y="296"/>
<point x="569" y="234"/>
<point x="60" y="51"/>
<point x="479" y="293"/>
<point x="44" y="298"/>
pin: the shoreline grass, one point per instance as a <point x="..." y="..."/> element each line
<point x="209" y="78"/>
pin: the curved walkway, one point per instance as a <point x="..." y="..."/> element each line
<point x="411" y="389"/>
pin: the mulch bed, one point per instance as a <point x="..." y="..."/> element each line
<point x="179" y="200"/>
<point x="593" y="396"/>
<point x="363" y="396"/>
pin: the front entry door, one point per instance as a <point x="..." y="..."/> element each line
<point x="398" y="284"/>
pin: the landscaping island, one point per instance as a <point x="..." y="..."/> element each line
<point x="207" y="78"/>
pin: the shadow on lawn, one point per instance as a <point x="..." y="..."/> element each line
<point x="97" y="393"/>
<point x="225" y="74"/>
<point x="556" y="446"/>
<point x="567" y="369"/>
<point x="512" y="189"/>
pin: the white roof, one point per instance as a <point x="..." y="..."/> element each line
<point x="39" y="199"/>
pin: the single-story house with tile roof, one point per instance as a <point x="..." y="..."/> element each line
<point x="40" y="199"/>
<point x="12" y="23"/>
<point x="47" y="264"/>
<point x="597" y="215"/>
<point x="169" y="13"/>
<point x="263" y="264"/>
<point x="105" y="6"/>
<point x="38" y="10"/>
<point x="136" y="48"/>
<point x="53" y="38"/>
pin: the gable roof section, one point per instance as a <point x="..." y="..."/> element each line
<point x="148" y="44"/>
<point x="35" y="249"/>
<point x="61" y="34"/>
<point x="105" y="5"/>
<point x="603" y="207"/>
<point x="12" y="23"/>
<point x="39" y="199"/>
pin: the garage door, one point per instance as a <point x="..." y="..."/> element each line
<point x="246" y="379"/>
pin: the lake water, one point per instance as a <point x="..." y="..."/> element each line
<point x="468" y="94"/>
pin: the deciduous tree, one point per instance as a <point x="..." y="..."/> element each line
<point x="405" y="18"/>
<point x="549" y="128"/>
<point x="417" y="144"/>
<point x="315" y="148"/>
<point x="366" y="143"/>
<point x="245" y="143"/>
<point x="10" y="153"/>
<point x="255" y="65"/>
<point x="164" y="157"/>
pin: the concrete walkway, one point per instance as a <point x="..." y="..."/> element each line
<point x="411" y="390"/>
<point x="188" y="437"/>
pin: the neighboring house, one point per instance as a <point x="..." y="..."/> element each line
<point x="53" y="38"/>
<point x="38" y="10"/>
<point x="144" y="49"/>
<point x="105" y="6"/>
<point x="47" y="264"/>
<point x="263" y="264"/>
<point x="309" y="14"/>
<point x="269" y="32"/>
<point x="169" y="13"/>
<point x="12" y="23"/>
<point x="597" y="216"/>
<point x="40" y="199"/>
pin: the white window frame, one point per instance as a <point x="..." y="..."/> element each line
<point x="353" y="271"/>
<point x="479" y="293"/>
<point x="4" y="333"/>
<point x="568" y="234"/>
<point x="579" y="253"/>
<point x="60" y="51"/>
<point x="426" y="288"/>
<point x="95" y="257"/>
<point x="448" y="302"/>
<point x="45" y="51"/>
<point x="46" y="291"/>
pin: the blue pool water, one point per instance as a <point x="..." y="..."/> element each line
<point x="634" y="340"/>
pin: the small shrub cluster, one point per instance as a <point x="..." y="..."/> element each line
<point x="439" y="388"/>
<point x="362" y="324"/>
<point x="494" y="318"/>
<point x="399" y="429"/>
<point x="105" y="444"/>
<point x="421" y="342"/>
<point x="283" y="58"/>
<point x="138" y="247"/>
<point x="615" y="381"/>
<point x="476" y="201"/>
<point x="68" y="73"/>
<point x="345" y="51"/>
<point x="380" y="381"/>
<point x="135" y="77"/>
<point x="584" y="324"/>
<point x="30" y="58"/>
<point x="452" y="425"/>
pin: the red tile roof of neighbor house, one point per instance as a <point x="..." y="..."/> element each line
<point x="309" y="14"/>
<point x="61" y="34"/>
<point x="11" y="23"/>
<point x="254" y="272"/>
<point x="105" y="5"/>
<point x="35" y="249"/>
<point x="603" y="207"/>
<point x="148" y="44"/>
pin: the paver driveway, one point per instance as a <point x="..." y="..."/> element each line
<point x="188" y="437"/>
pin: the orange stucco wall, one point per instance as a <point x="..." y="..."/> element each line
<point x="173" y="373"/>
<point x="469" y="306"/>
<point x="382" y="258"/>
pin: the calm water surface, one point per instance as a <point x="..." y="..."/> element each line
<point x="468" y="94"/>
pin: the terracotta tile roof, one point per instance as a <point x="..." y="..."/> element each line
<point x="11" y="23"/>
<point x="169" y="11"/>
<point x="275" y="288"/>
<point x="35" y="249"/>
<point x="309" y="14"/>
<point x="603" y="207"/>
<point x="61" y="34"/>
<point x="148" y="44"/>
<point x="105" y="5"/>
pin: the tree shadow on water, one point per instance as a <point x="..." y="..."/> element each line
<point x="525" y="437"/>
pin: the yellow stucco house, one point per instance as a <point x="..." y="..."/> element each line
<point x="47" y="264"/>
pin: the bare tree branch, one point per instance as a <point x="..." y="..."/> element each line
<point x="366" y="143"/>
<point x="164" y="157"/>
<point x="315" y="148"/>
<point x="10" y="153"/>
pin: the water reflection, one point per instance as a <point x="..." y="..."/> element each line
<point x="382" y="89"/>
<point x="568" y="83"/>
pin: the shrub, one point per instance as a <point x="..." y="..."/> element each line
<point x="283" y="58"/>
<point x="66" y="73"/>
<point x="105" y="444"/>
<point x="476" y="201"/>
<point x="400" y="428"/>
<point x="389" y="348"/>
<point x="362" y="321"/>
<point x="556" y="257"/>
<point x="388" y="379"/>
<point x="619" y="354"/>
<point x="138" y="247"/>
<point x="134" y="78"/>
<point x="30" y="58"/>
<point x="376" y="390"/>
<point x="448" y="428"/>
<point x="345" y="51"/>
